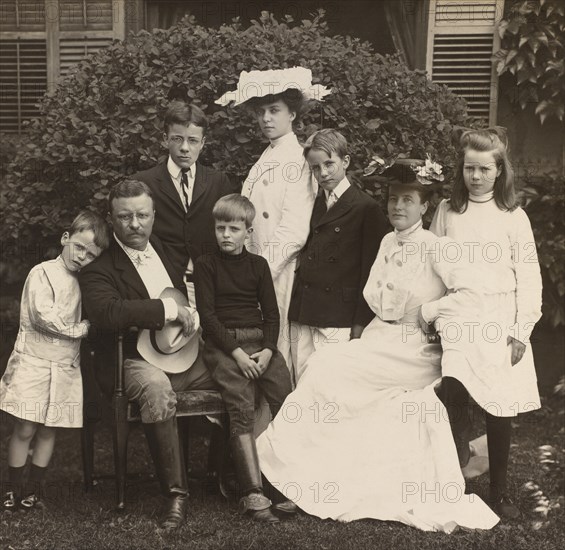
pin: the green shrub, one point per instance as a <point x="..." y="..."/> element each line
<point x="103" y="121"/>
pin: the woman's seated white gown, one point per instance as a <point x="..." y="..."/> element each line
<point x="364" y="434"/>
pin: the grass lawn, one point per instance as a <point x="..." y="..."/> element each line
<point x="73" y="520"/>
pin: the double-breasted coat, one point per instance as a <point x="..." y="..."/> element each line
<point x="336" y="261"/>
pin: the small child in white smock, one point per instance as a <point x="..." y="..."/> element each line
<point x="42" y="385"/>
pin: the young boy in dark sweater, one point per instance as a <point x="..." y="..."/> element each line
<point x="240" y="318"/>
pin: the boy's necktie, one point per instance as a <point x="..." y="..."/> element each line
<point x="332" y="199"/>
<point x="184" y="186"/>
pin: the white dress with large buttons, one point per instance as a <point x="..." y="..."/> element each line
<point x="282" y="189"/>
<point x="364" y="434"/>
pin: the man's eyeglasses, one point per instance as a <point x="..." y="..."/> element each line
<point x="141" y="217"/>
<point x="179" y="140"/>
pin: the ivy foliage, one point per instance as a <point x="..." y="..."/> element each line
<point x="103" y="122"/>
<point x="544" y="201"/>
<point x="533" y="55"/>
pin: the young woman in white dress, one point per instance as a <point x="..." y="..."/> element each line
<point x="483" y="216"/>
<point x="280" y="184"/>
<point x="364" y="434"/>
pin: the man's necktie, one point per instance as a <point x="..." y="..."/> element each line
<point x="332" y="199"/>
<point x="141" y="257"/>
<point x="184" y="186"/>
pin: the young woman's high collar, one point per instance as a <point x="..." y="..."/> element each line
<point x="283" y="139"/>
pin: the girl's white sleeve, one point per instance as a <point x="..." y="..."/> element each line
<point x="44" y="313"/>
<point x="528" y="278"/>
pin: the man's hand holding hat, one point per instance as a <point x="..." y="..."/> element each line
<point x="185" y="318"/>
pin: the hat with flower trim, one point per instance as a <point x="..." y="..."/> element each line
<point x="411" y="172"/>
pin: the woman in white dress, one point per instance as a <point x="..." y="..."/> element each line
<point x="280" y="184"/>
<point x="364" y="434"/>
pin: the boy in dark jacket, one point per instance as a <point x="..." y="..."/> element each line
<point x="346" y="229"/>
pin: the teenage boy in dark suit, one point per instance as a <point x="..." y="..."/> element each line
<point x="185" y="191"/>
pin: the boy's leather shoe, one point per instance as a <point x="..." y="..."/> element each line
<point x="503" y="507"/>
<point x="285" y="509"/>
<point x="9" y="502"/>
<point x="258" y="507"/>
<point x="30" y="501"/>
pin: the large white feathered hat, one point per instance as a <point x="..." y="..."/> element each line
<point x="261" y="83"/>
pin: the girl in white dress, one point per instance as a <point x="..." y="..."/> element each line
<point x="364" y="434"/>
<point x="280" y="184"/>
<point x="497" y="367"/>
<point x="42" y="385"/>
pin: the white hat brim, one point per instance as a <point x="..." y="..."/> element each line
<point x="272" y="82"/>
<point x="174" y="362"/>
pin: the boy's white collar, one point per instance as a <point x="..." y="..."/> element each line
<point x="174" y="169"/>
<point x="340" y="189"/>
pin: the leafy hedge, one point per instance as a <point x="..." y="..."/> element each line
<point x="103" y="121"/>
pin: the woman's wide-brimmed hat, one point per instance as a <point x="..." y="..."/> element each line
<point x="412" y="172"/>
<point x="262" y="83"/>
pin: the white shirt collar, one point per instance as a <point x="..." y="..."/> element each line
<point x="153" y="274"/>
<point x="341" y="188"/>
<point x="175" y="170"/>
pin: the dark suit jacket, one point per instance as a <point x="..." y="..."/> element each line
<point x="185" y="234"/>
<point x="114" y="298"/>
<point x="336" y="261"/>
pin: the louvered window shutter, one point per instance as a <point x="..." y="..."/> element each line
<point x="41" y="40"/>
<point x="23" y="61"/>
<point x="85" y="27"/>
<point x="461" y="41"/>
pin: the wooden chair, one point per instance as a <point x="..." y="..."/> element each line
<point x="189" y="404"/>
